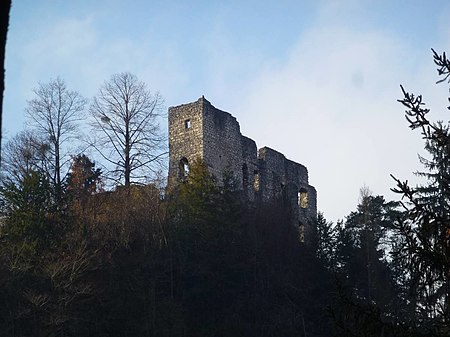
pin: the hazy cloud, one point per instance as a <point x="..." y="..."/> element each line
<point x="332" y="106"/>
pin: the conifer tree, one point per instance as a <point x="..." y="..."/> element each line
<point x="425" y="231"/>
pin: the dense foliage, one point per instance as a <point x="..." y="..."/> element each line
<point x="127" y="263"/>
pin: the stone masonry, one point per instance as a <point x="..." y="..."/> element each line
<point x="198" y="130"/>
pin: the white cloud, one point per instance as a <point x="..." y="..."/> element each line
<point x="333" y="107"/>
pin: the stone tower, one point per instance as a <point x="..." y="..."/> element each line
<point x="198" y="130"/>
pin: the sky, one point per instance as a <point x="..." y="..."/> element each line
<point x="315" y="80"/>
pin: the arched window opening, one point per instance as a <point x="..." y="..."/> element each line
<point x="301" y="232"/>
<point x="303" y="198"/>
<point x="256" y="181"/>
<point x="184" y="168"/>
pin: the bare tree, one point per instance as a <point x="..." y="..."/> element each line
<point x="54" y="114"/>
<point x="23" y="154"/>
<point x="125" y="117"/>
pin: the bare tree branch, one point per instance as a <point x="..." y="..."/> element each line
<point x="54" y="114"/>
<point x="125" y="117"/>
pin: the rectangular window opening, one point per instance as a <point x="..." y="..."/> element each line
<point x="302" y="199"/>
<point x="256" y="181"/>
<point x="187" y="124"/>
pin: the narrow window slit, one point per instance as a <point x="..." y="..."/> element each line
<point x="187" y="124"/>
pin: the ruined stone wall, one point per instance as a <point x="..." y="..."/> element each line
<point x="250" y="167"/>
<point x="281" y="177"/>
<point x="198" y="130"/>
<point x="222" y="148"/>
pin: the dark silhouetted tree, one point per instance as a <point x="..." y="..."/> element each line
<point x="83" y="176"/>
<point x="326" y="242"/>
<point x="28" y="206"/>
<point x="370" y="225"/>
<point x="425" y="231"/>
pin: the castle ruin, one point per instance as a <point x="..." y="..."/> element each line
<point x="198" y="130"/>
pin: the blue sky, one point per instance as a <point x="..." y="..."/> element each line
<point x="316" y="80"/>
